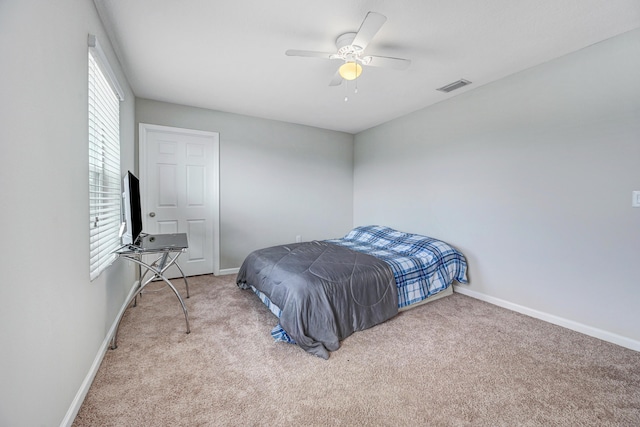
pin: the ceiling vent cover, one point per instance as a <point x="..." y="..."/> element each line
<point x="455" y="85"/>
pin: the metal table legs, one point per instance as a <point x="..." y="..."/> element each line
<point x="157" y="269"/>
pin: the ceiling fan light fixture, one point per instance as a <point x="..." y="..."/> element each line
<point x="350" y="70"/>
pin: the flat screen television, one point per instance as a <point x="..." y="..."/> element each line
<point x="132" y="209"/>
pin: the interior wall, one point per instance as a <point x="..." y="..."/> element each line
<point x="531" y="177"/>
<point x="53" y="318"/>
<point x="277" y="180"/>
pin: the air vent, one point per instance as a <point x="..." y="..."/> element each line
<point x="455" y="85"/>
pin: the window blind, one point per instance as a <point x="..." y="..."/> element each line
<point x="105" y="194"/>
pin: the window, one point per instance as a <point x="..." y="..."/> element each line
<point x="105" y="195"/>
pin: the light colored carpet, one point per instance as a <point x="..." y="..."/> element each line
<point x="453" y="362"/>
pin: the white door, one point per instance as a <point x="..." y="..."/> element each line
<point x="179" y="171"/>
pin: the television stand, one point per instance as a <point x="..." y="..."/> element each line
<point x="166" y="248"/>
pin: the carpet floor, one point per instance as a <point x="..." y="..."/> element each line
<point x="454" y="362"/>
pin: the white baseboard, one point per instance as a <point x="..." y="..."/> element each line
<point x="226" y="271"/>
<point x="560" y="321"/>
<point x="72" y="412"/>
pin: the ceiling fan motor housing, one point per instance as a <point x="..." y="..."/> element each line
<point x="349" y="52"/>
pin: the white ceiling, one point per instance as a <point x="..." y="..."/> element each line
<point x="229" y="55"/>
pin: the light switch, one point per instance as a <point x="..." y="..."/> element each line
<point x="635" y="199"/>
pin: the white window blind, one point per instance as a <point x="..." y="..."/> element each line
<point x="105" y="196"/>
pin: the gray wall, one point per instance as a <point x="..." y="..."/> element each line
<point x="531" y="177"/>
<point x="54" y="320"/>
<point x="277" y="180"/>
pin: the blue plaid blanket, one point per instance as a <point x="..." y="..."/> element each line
<point x="278" y="333"/>
<point x="422" y="266"/>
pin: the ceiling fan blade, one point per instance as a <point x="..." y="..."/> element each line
<point x="370" y="26"/>
<point x="308" y="53"/>
<point x="336" y="80"/>
<point x="387" y="62"/>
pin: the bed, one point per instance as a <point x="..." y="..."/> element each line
<point x="323" y="291"/>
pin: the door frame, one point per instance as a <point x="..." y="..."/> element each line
<point x="143" y="129"/>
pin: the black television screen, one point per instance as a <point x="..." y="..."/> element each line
<point x="132" y="209"/>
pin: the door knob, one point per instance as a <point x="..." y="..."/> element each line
<point x="152" y="214"/>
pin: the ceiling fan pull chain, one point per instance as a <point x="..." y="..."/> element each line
<point x="346" y="90"/>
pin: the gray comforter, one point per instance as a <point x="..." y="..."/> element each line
<point x="326" y="292"/>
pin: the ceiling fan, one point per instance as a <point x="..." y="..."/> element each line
<point x="351" y="48"/>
